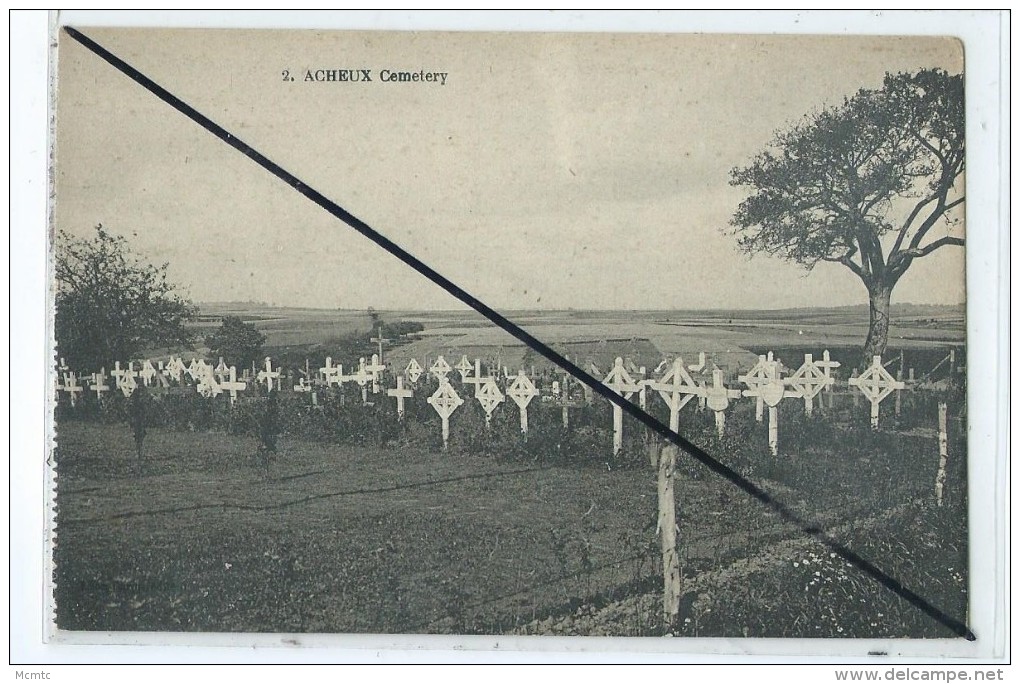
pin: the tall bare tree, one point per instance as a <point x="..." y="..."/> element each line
<point x="873" y="184"/>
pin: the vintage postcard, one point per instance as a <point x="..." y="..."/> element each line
<point x="510" y="334"/>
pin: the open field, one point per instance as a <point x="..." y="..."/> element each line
<point x="285" y="327"/>
<point x="731" y="339"/>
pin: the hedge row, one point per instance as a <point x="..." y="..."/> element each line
<point x="340" y="417"/>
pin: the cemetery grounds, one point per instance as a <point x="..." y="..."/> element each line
<point x="371" y="528"/>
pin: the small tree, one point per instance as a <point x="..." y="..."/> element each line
<point x="239" y="343"/>
<point x="111" y="304"/>
<point x="864" y="185"/>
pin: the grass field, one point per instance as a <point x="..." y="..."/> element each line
<point x="198" y="537"/>
<point x="339" y="538"/>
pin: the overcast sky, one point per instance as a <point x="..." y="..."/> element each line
<point x="551" y="171"/>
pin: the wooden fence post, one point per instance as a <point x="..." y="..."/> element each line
<point x="899" y="377"/>
<point x="940" y="478"/>
<point x="896" y="406"/>
<point x="667" y="528"/>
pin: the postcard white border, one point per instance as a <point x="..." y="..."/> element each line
<point x="985" y="36"/>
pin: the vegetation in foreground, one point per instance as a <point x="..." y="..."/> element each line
<point x="384" y="533"/>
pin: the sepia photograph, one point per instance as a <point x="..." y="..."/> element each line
<point x="521" y="334"/>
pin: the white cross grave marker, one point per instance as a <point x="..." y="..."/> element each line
<point x="204" y="369"/>
<point x="98" y="383"/>
<point x="362" y="377"/>
<point x="117" y="373"/>
<point x="71" y="386"/>
<point x="400" y="393"/>
<point x="676" y="388"/>
<point x="174" y="368"/>
<point x="161" y="376"/>
<point x="270" y="376"/>
<point x="147" y="373"/>
<point x="757" y="376"/>
<point x="875" y="383"/>
<point x="332" y="374"/>
<point x="304" y="383"/>
<point x="413" y="370"/>
<point x="440" y="369"/>
<point x="477" y="380"/>
<point x="826" y="364"/>
<point x="464" y="367"/>
<point x="375" y="368"/>
<point x="717" y="398"/>
<point x="379" y="339"/>
<point x="700" y="365"/>
<point x="488" y="395"/>
<point x="125" y="378"/>
<point x="522" y="390"/>
<point x="232" y="384"/>
<point x="808" y="381"/>
<point x="197" y="370"/>
<point x="221" y="370"/>
<point x="770" y="389"/>
<point x="619" y="381"/>
<point x="445" y="401"/>
<point x="208" y="387"/>
<point x="164" y="369"/>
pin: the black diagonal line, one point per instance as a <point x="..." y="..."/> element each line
<point x="807" y="526"/>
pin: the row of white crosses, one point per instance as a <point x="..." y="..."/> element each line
<point x="214" y="383"/>
<point x="365" y="374"/>
<point x="676" y="387"/>
<point x="210" y="381"/>
<point x="446" y="401"/>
